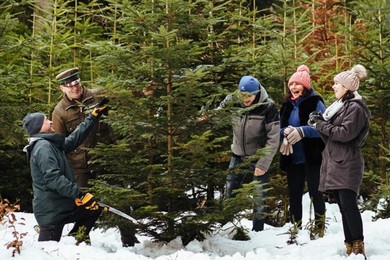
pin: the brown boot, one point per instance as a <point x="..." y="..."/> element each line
<point x="321" y="231"/>
<point x="358" y="248"/>
<point x="317" y="233"/>
<point x="348" y="247"/>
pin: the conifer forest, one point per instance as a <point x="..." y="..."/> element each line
<point x="166" y="165"/>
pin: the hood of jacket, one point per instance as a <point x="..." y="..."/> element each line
<point x="359" y="100"/>
<point x="263" y="95"/>
<point x="57" y="140"/>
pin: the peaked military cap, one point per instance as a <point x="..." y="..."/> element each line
<point x="68" y="75"/>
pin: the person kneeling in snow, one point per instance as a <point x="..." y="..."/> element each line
<point x="57" y="198"/>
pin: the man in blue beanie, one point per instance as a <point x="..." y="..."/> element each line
<point x="57" y="198"/>
<point x="255" y="127"/>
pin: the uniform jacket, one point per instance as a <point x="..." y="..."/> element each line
<point x="53" y="181"/>
<point x="344" y="135"/>
<point x="312" y="144"/>
<point x="256" y="127"/>
<point x="68" y="114"/>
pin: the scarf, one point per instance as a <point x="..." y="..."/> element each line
<point x="336" y="106"/>
<point x="333" y="109"/>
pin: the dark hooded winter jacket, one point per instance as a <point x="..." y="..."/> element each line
<point x="344" y="135"/>
<point x="54" y="184"/>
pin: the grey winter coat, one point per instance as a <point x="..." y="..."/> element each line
<point x="53" y="182"/>
<point x="344" y="135"/>
<point x="256" y="127"/>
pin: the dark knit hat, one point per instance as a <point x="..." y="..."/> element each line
<point x="68" y="75"/>
<point x="249" y="84"/>
<point x="301" y="76"/>
<point x="32" y="123"/>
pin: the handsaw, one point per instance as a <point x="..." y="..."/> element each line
<point x="117" y="212"/>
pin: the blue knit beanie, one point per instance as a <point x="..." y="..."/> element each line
<point x="32" y="123"/>
<point x="249" y="84"/>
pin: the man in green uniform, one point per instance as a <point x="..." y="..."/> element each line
<point x="67" y="114"/>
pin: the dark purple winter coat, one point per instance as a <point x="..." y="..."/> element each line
<point x="344" y="135"/>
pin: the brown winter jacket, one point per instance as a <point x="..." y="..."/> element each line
<point x="68" y="114"/>
<point x="344" y="135"/>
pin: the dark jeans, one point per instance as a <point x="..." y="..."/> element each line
<point x="352" y="220"/>
<point x="234" y="181"/>
<point x="82" y="218"/>
<point x="297" y="174"/>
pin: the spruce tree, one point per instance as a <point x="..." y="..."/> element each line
<point x="167" y="165"/>
<point x="15" y="181"/>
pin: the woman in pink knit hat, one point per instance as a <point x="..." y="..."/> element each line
<point x="301" y="149"/>
<point x="344" y="127"/>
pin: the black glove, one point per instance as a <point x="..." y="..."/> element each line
<point x="87" y="200"/>
<point x="314" y="117"/>
<point x="101" y="108"/>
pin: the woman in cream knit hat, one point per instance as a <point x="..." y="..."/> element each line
<point x="344" y="127"/>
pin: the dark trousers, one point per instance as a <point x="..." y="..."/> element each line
<point x="234" y="181"/>
<point x="82" y="178"/>
<point x="127" y="232"/>
<point x="352" y="220"/>
<point x="297" y="174"/>
<point x="82" y="218"/>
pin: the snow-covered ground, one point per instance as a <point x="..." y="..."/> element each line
<point x="269" y="244"/>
